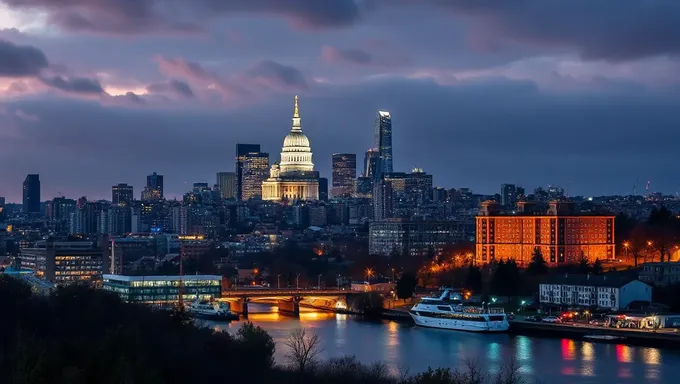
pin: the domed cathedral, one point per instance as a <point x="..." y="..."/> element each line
<point x="293" y="178"/>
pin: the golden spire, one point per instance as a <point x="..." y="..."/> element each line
<point x="295" y="113"/>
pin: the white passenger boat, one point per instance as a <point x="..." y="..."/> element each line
<point x="211" y="310"/>
<point x="446" y="313"/>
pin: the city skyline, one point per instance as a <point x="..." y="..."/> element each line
<point x="485" y="96"/>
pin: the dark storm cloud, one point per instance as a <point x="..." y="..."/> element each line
<point x="20" y="60"/>
<point x="611" y="30"/>
<point x="474" y="134"/>
<point x="134" y="16"/>
<point x="278" y="75"/>
<point x="177" y="87"/>
<point x="75" y="85"/>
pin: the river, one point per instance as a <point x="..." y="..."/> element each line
<point x="406" y="347"/>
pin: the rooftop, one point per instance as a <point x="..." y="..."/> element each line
<point x="612" y="280"/>
<point x="161" y="278"/>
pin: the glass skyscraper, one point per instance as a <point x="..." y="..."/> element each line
<point x="242" y="151"/>
<point x="383" y="142"/>
<point x="344" y="173"/>
<point x="31" y="194"/>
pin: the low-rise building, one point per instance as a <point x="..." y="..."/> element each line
<point x="660" y="274"/>
<point x="163" y="290"/>
<point x="602" y="291"/>
<point x="63" y="262"/>
<point x="412" y="238"/>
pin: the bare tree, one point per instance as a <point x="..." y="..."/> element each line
<point x="304" y="349"/>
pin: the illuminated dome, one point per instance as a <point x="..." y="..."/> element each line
<point x="296" y="155"/>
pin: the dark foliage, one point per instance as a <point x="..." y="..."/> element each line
<point x="369" y="304"/>
<point x="406" y="285"/>
<point x="537" y="266"/>
<point x="473" y="280"/>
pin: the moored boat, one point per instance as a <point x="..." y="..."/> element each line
<point x="211" y="310"/>
<point x="604" y="338"/>
<point x="446" y="313"/>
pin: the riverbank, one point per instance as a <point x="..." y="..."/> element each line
<point x="659" y="339"/>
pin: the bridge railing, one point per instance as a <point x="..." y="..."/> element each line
<point x="282" y="292"/>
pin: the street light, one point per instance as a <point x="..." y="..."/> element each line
<point x="338" y="281"/>
<point x="278" y="281"/>
<point x="392" y="275"/>
<point x="369" y="274"/>
<point x="297" y="281"/>
<point x="318" y="284"/>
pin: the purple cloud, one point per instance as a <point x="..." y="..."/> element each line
<point x="277" y="75"/>
<point x="20" y="60"/>
<point x="75" y="85"/>
<point x="177" y="87"/>
<point x="352" y="56"/>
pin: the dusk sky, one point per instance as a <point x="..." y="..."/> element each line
<point x="584" y="94"/>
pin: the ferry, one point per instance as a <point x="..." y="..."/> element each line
<point x="445" y="312"/>
<point x="211" y="310"/>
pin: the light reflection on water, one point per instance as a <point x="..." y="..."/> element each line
<point x="402" y="346"/>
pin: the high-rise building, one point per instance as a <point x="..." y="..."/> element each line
<point x="344" y="173"/>
<point x="122" y="194"/>
<point x="294" y="177"/>
<point x="242" y="150"/>
<point x="154" y="188"/>
<point x="508" y="195"/>
<point x="363" y="187"/>
<point x="413" y="238"/>
<point x="254" y="171"/>
<point x="371" y="160"/>
<point x="419" y="186"/>
<point x="31" y="194"/>
<point x="559" y="233"/>
<point x="66" y="262"/>
<point x="226" y="182"/>
<point x="323" y="189"/>
<point x="383" y="200"/>
<point x="383" y="142"/>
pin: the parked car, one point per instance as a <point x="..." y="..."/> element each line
<point x="532" y="318"/>
<point x="596" y="322"/>
<point x="511" y="316"/>
<point x="551" y="319"/>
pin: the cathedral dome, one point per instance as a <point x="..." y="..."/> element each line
<point x="295" y="140"/>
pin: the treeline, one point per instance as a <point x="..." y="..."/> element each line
<point x="80" y="335"/>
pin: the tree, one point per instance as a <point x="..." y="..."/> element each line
<point x="597" y="267"/>
<point x="583" y="264"/>
<point x="662" y="227"/>
<point x="406" y="285"/>
<point x="258" y="343"/>
<point x="537" y="266"/>
<point x="473" y="280"/>
<point x="304" y="349"/>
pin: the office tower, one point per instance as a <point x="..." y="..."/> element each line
<point x="323" y="189"/>
<point x="226" y="182"/>
<point x="508" y="195"/>
<point x="242" y="150"/>
<point x="121" y="194"/>
<point x="344" y="173"/>
<point x="371" y="160"/>
<point x="31" y="194"/>
<point x="254" y="171"/>
<point x="154" y="188"/>
<point x="382" y="200"/>
<point x="383" y="143"/>
<point x="363" y="187"/>
<point x="419" y="186"/>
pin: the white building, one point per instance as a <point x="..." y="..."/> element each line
<point x="611" y="292"/>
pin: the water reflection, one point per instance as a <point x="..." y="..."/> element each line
<point x="402" y="346"/>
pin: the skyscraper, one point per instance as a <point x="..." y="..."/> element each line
<point x="383" y="142"/>
<point x="226" y="181"/>
<point x="323" y="189"/>
<point x="254" y="170"/>
<point x="371" y="163"/>
<point x="32" y="194"/>
<point x="242" y="150"/>
<point x="121" y="194"/>
<point x="344" y="173"/>
<point x="382" y="200"/>
<point x="508" y="195"/>
<point x="154" y="188"/>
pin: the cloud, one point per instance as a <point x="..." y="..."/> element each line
<point x="129" y="17"/>
<point x="353" y="56"/>
<point x="277" y="75"/>
<point x="177" y="87"/>
<point x="75" y="85"/>
<point x="20" y="60"/>
<point x="26" y="116"/>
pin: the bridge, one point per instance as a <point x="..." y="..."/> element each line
<point x="288" y="300"/>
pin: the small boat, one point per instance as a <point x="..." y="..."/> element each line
<point x="444" y="313"/>
<point x="609" y="338"/>
<point x="211" y="310"/>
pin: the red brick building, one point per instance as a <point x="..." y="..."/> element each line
<point x="558" y="232"/>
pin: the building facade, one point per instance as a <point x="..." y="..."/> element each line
<point x="293" y="178"/>
<point x="602" y="291"/>
<point x="255" y="170"/>
<point x="344" y="174"/>
<point x="660" y="274"/>
<point x="64" y="262"/>
<point x="163" y="290"/>
<point x="561" y="235"/>
<point x="508" y="195"/>
<point x="383" y="142"/>
<point x="154" y="188"/>
<point x="31" y="194"/>
<point x="226" y="181"/>
<point x="412" y="238"/>
<point x="242" y="151"/>
<point x="122" y="194"/>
